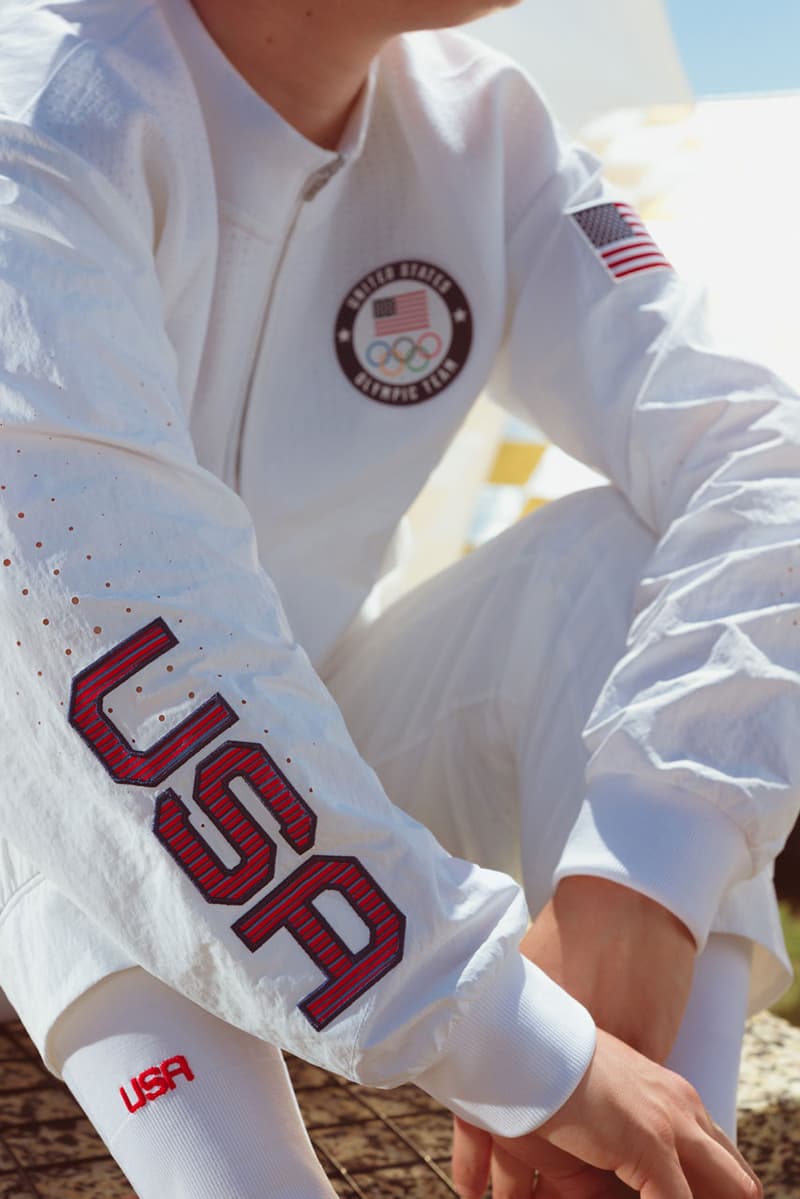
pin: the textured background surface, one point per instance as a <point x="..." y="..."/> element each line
<point x="374" y="1144"/>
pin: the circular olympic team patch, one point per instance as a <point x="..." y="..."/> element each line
<point x="404" y="333"/>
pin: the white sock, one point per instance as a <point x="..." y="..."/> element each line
<point x="214" y="1114"/>
<point x="709" y="1045"/>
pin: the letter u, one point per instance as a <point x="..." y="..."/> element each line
<point x="139" y="1095"/>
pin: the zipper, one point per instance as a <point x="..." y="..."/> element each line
<point x="313" y="186"/>
<point x="324" y="175"/>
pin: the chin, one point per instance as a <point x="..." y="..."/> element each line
<point x="483" y="10"/>
<point x="444" y="13"/>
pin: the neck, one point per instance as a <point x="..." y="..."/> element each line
<point x="298" y="57"/>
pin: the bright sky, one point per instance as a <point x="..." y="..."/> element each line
<point x="738" y="45"/>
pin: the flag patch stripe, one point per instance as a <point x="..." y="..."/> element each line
<point x="405" y="313"/>
<point x="619" y="239"/>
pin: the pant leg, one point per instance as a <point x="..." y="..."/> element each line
<point x="190" y="1107"/>
<point x="470" y="694"/>
<point x="708" y="1048"/>
<point x="469" y="697"/>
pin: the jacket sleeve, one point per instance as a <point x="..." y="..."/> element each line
<point x="170" y="761"/>
<point x="692" y="781"/>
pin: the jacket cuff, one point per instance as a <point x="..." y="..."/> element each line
<point x="516" y="1053"/>
<point x="661" y="841"/>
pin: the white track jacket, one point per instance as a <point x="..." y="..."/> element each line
<point x="198" y="305"/>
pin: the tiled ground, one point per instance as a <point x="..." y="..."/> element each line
<point x="373" y="1144"/>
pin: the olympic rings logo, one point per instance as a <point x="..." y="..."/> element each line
<point x="381" y="355"/>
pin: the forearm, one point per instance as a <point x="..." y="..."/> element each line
<point x="626" y="958"/>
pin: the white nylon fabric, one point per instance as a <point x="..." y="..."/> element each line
<point x="129" y="151"/>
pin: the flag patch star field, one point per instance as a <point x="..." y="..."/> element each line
<point x="619" y="239"/>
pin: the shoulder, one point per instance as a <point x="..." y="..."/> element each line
<point x="451" y="62"/>
<point x="78" y="52"/>
<point x="481" y="102"/>
<point x="93" y="75"/>
<point x="102" y="86"/>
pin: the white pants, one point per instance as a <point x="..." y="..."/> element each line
<point x="470" y="694"/>
<point x="468" y="697"/>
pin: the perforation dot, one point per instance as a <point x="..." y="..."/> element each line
<point x="97" y="628"/>
<point x="68" y="652"/>
<point x="6" y="562"/>
<point x="75" y="599"/>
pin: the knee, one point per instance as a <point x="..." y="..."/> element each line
<point x="596" y="518"/>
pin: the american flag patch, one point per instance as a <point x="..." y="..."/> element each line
<point x="401" y="314"/>
<point x="619" y="239"/>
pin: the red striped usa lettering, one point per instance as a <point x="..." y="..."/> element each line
<point x="291" y="904"/>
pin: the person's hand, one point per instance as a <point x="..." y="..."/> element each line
<point x="625" y="958"/>
<point x="629" y="1123"/>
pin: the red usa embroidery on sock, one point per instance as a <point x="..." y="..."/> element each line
<point x="155" y="1081"/>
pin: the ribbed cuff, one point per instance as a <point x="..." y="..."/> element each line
<point x="516" y="1054"/>
<point x="661" y="841"/>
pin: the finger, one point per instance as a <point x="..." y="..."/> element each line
<point x="584" y="1184"/>
<point x="662" y="1178"/>
<point x="712" y="1167"/>
<point x="472" y="1157"/>
<point x="674" y="1186"/>
<point x="511" y="1178"/>
<point x="722" y="1138"/>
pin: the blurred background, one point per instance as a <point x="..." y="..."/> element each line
<point x="695" y="109"/>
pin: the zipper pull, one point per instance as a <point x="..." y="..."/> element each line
<point x="324" y="175"/>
